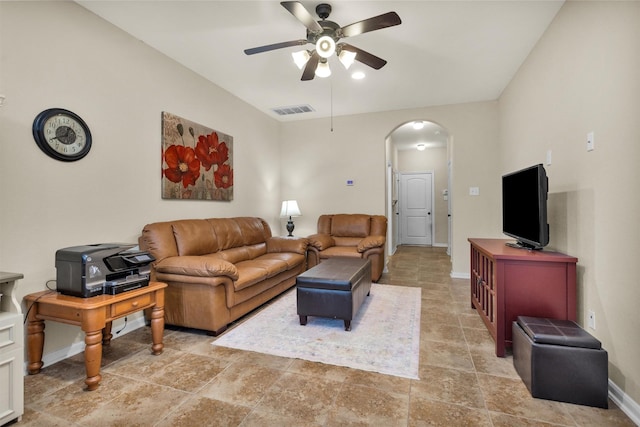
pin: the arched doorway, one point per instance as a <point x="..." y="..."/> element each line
<point x="418" y="147"/>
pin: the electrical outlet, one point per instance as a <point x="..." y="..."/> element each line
<point x="591" y="319"/>
<point x="591" y="141"/>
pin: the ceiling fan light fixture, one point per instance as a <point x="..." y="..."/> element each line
<point x="323" y="70"/>
<point x="325" y="46"/>
<point x="301" y="58"/>
<point x="347" y="58"/>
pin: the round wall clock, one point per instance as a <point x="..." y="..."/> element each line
<point x="62" y="135"/>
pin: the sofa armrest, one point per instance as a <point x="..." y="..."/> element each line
<point x="321" y="241"/>
<point x="370" y="242"/>
<point x="296" y="245"/>
<point x="200" y="266"/>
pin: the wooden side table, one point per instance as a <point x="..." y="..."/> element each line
<point x="94" y="315"/>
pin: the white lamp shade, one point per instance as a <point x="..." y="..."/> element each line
<point x="323" y="70"/>
<point x="301" y="58"/>
<point x="290" y="208"/>
<point x="325" y="46"/>
<point x="347" y="58"/>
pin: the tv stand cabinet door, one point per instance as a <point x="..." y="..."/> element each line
<point x="536" y="289"/>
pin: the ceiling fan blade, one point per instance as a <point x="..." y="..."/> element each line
<point x="298" y="10"/>
<point x="274" y="46"/>
<point x="379" y="22"/>
<point x="365" y="57"/>
<point x="310" y="69"/>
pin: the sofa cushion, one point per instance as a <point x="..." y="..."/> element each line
<point x="249" y="274"/>
<point x="194" y="237"/>
<point x="228" y="233"/>
<point x="291" y="259"/>
<point x="201" y="266"/>
<point x="352" y="225"/>
<point x="235" y="255"/>
<point x="252" y="229"/>
<point x="272" y="266"/>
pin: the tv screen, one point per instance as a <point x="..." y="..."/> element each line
<point x="524" y="207"/>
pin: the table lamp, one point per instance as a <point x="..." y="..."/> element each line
<point x="289" y="209"/>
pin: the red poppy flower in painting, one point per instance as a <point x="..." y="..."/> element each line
<point x="223" y="176"/>
<point x="182" y="165"/>
<point x="211" y="151"/>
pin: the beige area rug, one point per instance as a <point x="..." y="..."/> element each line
<point x="384" y="336"/>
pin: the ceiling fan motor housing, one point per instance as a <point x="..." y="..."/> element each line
<point x="329" y="28"/>
<point x="323" y="10"/>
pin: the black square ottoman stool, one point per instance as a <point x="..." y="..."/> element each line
<point x="558" y="360"/>
<point x="335" y="288"/>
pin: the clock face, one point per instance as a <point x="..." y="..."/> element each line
<point x="62" y="135"/>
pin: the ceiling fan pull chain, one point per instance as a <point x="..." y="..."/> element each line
<point x="331" y="92"/>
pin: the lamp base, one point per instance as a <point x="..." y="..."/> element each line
<point x="290" y="227"/>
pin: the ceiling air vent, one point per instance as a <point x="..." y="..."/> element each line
<point x="293" y="109"/>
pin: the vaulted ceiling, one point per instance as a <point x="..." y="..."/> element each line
<point x="443" y="52"/>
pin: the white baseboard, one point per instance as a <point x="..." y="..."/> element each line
<point x="456" y="275"/>
<point x="78" y="347"/>
<point x="624" y="402"/>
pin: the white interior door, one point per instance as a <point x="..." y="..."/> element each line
<point x="416" y="201"/>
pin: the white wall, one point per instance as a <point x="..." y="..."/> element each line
<point x="57" y="54"/>
<point x="316" y="163"/>
<point x="582" y="77"/>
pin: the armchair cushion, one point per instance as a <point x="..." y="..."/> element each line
<point x="321" y="241"/>
<point x="371" y="242"/>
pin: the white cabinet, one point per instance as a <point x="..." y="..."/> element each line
<point x="11" y="351"/>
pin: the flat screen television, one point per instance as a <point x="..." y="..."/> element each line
<point x="524" y="207"/>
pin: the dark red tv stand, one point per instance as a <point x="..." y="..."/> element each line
<point x="507" y="282"/>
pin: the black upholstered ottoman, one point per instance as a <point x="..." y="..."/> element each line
<point x="558" y="360"/>
<point x="335" y="288"/>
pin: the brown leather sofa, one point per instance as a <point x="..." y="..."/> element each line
<point x="219" y="269"/>
<point x="350" y="235"/>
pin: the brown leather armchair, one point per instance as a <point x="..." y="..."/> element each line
<point x="350" y="235"/>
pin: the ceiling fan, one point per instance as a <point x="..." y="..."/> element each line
<point x="325" y="35"/>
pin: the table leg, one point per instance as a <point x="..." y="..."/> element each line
<point x="106" y="334"/>
<point x="157" y="328"/>
<point x="93" y="358"/>
<point x="35" y="342"/>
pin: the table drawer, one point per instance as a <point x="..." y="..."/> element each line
<point x="131" y="305"/>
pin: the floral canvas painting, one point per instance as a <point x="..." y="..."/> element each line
<point x="197" y="162"/>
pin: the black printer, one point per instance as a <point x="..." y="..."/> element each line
<point x="105" y="268"/>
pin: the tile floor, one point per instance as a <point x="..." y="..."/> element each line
<point x="196" y="384"/>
